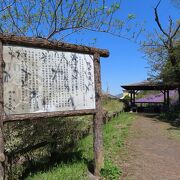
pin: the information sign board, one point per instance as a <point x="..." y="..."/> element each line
<point x="40" y="80"/>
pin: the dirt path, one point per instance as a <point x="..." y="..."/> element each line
<point x="154" y="155"/>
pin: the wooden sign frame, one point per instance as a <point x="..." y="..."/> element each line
<point x="60" y="46"/>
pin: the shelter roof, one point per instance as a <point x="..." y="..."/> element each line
<point x="150" y="85"/>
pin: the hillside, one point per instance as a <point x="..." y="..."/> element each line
<point x="44" y="144"/>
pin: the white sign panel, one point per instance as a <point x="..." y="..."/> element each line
<point x="39" y="80"/>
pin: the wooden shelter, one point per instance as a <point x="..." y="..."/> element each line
<point x="133" y="89"/>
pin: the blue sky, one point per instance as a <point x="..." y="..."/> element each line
<point x="126" y="63"/>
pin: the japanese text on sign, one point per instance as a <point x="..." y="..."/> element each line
<point x="39" y="80"/>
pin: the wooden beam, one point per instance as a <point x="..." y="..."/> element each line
<point x="98" y="120"/>
<point x="150" y="102"/>
<point x="32" y="116"/>
<point x="54" y="45"/>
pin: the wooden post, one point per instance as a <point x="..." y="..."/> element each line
<point x="2" y="156"/>
<point x="134" y="97"/>
<point x="98" y="120"/>
<point x="131" y="98"/>
<point x="168" y="100"/>
<point x="164" y="97"/>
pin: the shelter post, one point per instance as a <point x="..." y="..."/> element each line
<point x="98" y="120"/>
<point x="168" y="101"/>
<point x="164" y="92"/>
<point x="2" y="156"/>
<point x="131" y="97"/>
<point x="134" y="97"/>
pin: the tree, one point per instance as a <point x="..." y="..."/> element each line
<point x="57" y="19"/>
<point x="170" y="72"/>
<point x="162" y="49"/>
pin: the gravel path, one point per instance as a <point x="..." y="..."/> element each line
<point x="154" y="155"/>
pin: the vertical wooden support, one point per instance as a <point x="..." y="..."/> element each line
<point x="164" y="97"/>
<point x="134" y="97"/>
<point x="168" y="100"/>
<point x="131" y="98"/>
<point x="2" y="156"/>
<point x="98" y="120"/>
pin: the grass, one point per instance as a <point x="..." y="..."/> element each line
<point x="71" y="171"/>
<point x="174" y="132"/>
<point x="112" y="105"/>
<point x="114" y="136"/>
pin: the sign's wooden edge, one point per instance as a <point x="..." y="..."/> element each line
<point x="35" y="116"/>
<point x="98" y="115"/>
<point x="54" y="45"/>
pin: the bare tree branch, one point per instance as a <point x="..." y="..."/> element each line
<point x="157" y="20"/>
<point x="58" y="18"/>
<point x="8" y="6"/>
<point x="170" y="25"/>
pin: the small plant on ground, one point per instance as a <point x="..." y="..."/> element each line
<point x="111" y="171"/>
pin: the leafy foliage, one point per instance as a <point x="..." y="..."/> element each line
<point x="28" y="142"/>
<point x="111" y="105"/>
<point x="59" y="19"/>
<point x="162" y="50"/>
<point x="169" y="72"/>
